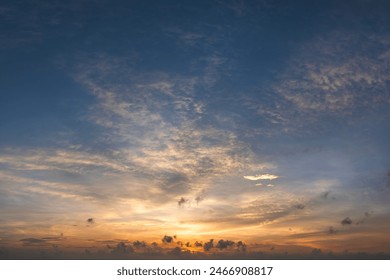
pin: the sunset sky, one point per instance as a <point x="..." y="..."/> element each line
<point x="266" y="122"/>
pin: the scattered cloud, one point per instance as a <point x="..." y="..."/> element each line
<point x="331" y="230"/>
<point x="182" y="201"/>
<point x="207" y="246"/>
<point x="167" y="239"/>
<point x="223" y="244"/>
<point x="300" y="206"/>
<point x="198" y="244"/>
<point x="346" y="221"/>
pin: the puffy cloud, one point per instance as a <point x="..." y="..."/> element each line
<point x="241" y="246"/>
<point x="207" y="246"/>
<point x="182" y="201"/>
<point x="139" y="244"/>
<point x="198" y="244"/>
<point x="122" y="248"/>
<point x="346" y="221"/>
<point x="223" y="244"/>
<point x="167" y="239"/>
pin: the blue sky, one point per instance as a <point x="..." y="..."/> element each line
<point x="265" y="121"/>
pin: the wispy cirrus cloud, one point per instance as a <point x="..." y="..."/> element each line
<point x="329" y="75"/>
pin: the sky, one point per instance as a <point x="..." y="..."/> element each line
<point x="172" y="123"/>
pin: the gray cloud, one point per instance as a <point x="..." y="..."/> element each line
<point x="300" y="206"/>
<point x="167" y="239"/>
<point x="346" y="221"/>
<point x="139" y="244"/>
<point x="223" y="244"/>
<point x="122" y="248"/>
<point x="198" y="244"/>
<point x="241" y="246"/>
<point x="207" y="246"/>
<point x="331" y="230"/>
<point x="182" y="201"/>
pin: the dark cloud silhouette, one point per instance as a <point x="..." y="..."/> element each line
<point x="325" y="195"/>
<point x="199" y="198"/>
<point x="167" y="239"/>
<point x="139" y="244"/>
<point x="223" y="244"/>
<point x="346" y="221"/>
<point x="299" y="206"/>
<point x="364" y="218"/>
<point x="182" y="201"/>
<point x="90" y="221"/>
<point x="241" y="246"/>
<point x="208" y="245"/>
<point x="123" y="248"/>
<point x="331" y="230"/>
<point x="188" y="244"/>
<point x="198" y="244"/>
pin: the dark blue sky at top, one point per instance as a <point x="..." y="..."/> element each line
<point x="44" y="41"/>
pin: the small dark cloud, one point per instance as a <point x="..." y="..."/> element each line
<point x="346" y="221"/>
<point x="199" y="198"/>
<point x="241" y="246"/>
<point x="182" y="201"/>
<point x="299" y="206"/>
<point x="331" y="230"/>
<point x="208" y="245"/>
<point x="325" y="195"/>
<point x="364" y="218"/>
<point x="167" y="239"/>
<point x="188" y="244"/>
<point x="90" y="221"/>
<point x="223" y="244"/>
<point x="198" y="244"/>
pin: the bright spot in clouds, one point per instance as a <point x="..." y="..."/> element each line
<point x="261" y="177"/>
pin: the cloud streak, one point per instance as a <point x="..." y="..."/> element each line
<point x="261" y="177"/>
